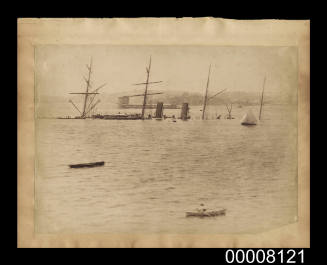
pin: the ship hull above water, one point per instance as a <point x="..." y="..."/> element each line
<point x="129" y="106"/>
<point x="118" y="117"/>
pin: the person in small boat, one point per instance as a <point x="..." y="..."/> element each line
<point x="201" y="210"/>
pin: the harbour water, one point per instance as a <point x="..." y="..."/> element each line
<point x="155" y="171"/>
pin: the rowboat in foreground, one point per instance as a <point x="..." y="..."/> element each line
<point x="94" y="164"/>
<point x="204" y="213"/>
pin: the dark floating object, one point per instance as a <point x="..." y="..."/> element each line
<point x="204" y="213"/>
<point x="95" y="164"/>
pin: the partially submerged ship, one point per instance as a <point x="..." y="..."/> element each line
<point x="89" y="97"/>
<point x="89" y="106"/>
<point x="117" y="116"/>
<point x="144" y="105"/>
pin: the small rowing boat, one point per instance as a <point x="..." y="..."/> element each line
<point x="204" y="213"/>
<point x="94" y="164"/>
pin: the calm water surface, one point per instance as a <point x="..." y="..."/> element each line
<point x="155" y="171"/>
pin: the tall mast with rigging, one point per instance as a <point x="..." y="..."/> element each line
<point x="89" y="67"/>
<point x="146" y="88"/>
<point x="87" y="107"/>
<point x="261" y="103"/>
<point x="206" y="95"/>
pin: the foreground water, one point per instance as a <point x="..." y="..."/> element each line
<point x="155" y="171"/>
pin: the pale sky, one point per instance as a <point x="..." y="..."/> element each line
<point x="60" y="68"/>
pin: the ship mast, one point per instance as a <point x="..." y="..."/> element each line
<point x="89" y="107"/>
<point x="261" y="103"/>
<point x="206" y="95"/>
<point x="89" y="67"/>
<point x="146" y="88"/>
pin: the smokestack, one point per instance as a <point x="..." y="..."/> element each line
<point x="184" y="112"/>
<point x="159" y="110"/>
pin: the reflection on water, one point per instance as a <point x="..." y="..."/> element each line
<point x="155" y="171"/>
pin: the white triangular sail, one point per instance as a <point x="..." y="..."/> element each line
<point x="249" y="119"/>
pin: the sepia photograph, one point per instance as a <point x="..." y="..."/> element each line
<point x="184" y="139"/>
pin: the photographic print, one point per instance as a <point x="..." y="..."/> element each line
<point x="191" y="139"/>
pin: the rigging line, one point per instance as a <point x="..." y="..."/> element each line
<point x="138" y="95"/>
<point x="206" y="95"/>
<point x="147" y="82"/>
<point x="87" y="87"/>
<point x="99" y="88"/>
<point x="92" y="107"/>
<point x="91" y="100"/>
<point x="75" y="106"/>
<point x="217" y="93"/>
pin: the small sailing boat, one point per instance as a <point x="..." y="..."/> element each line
<point x="249" y="118"/>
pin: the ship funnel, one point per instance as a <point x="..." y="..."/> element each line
<point x="159" y="110"/>
<point x="184" y="112"/>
